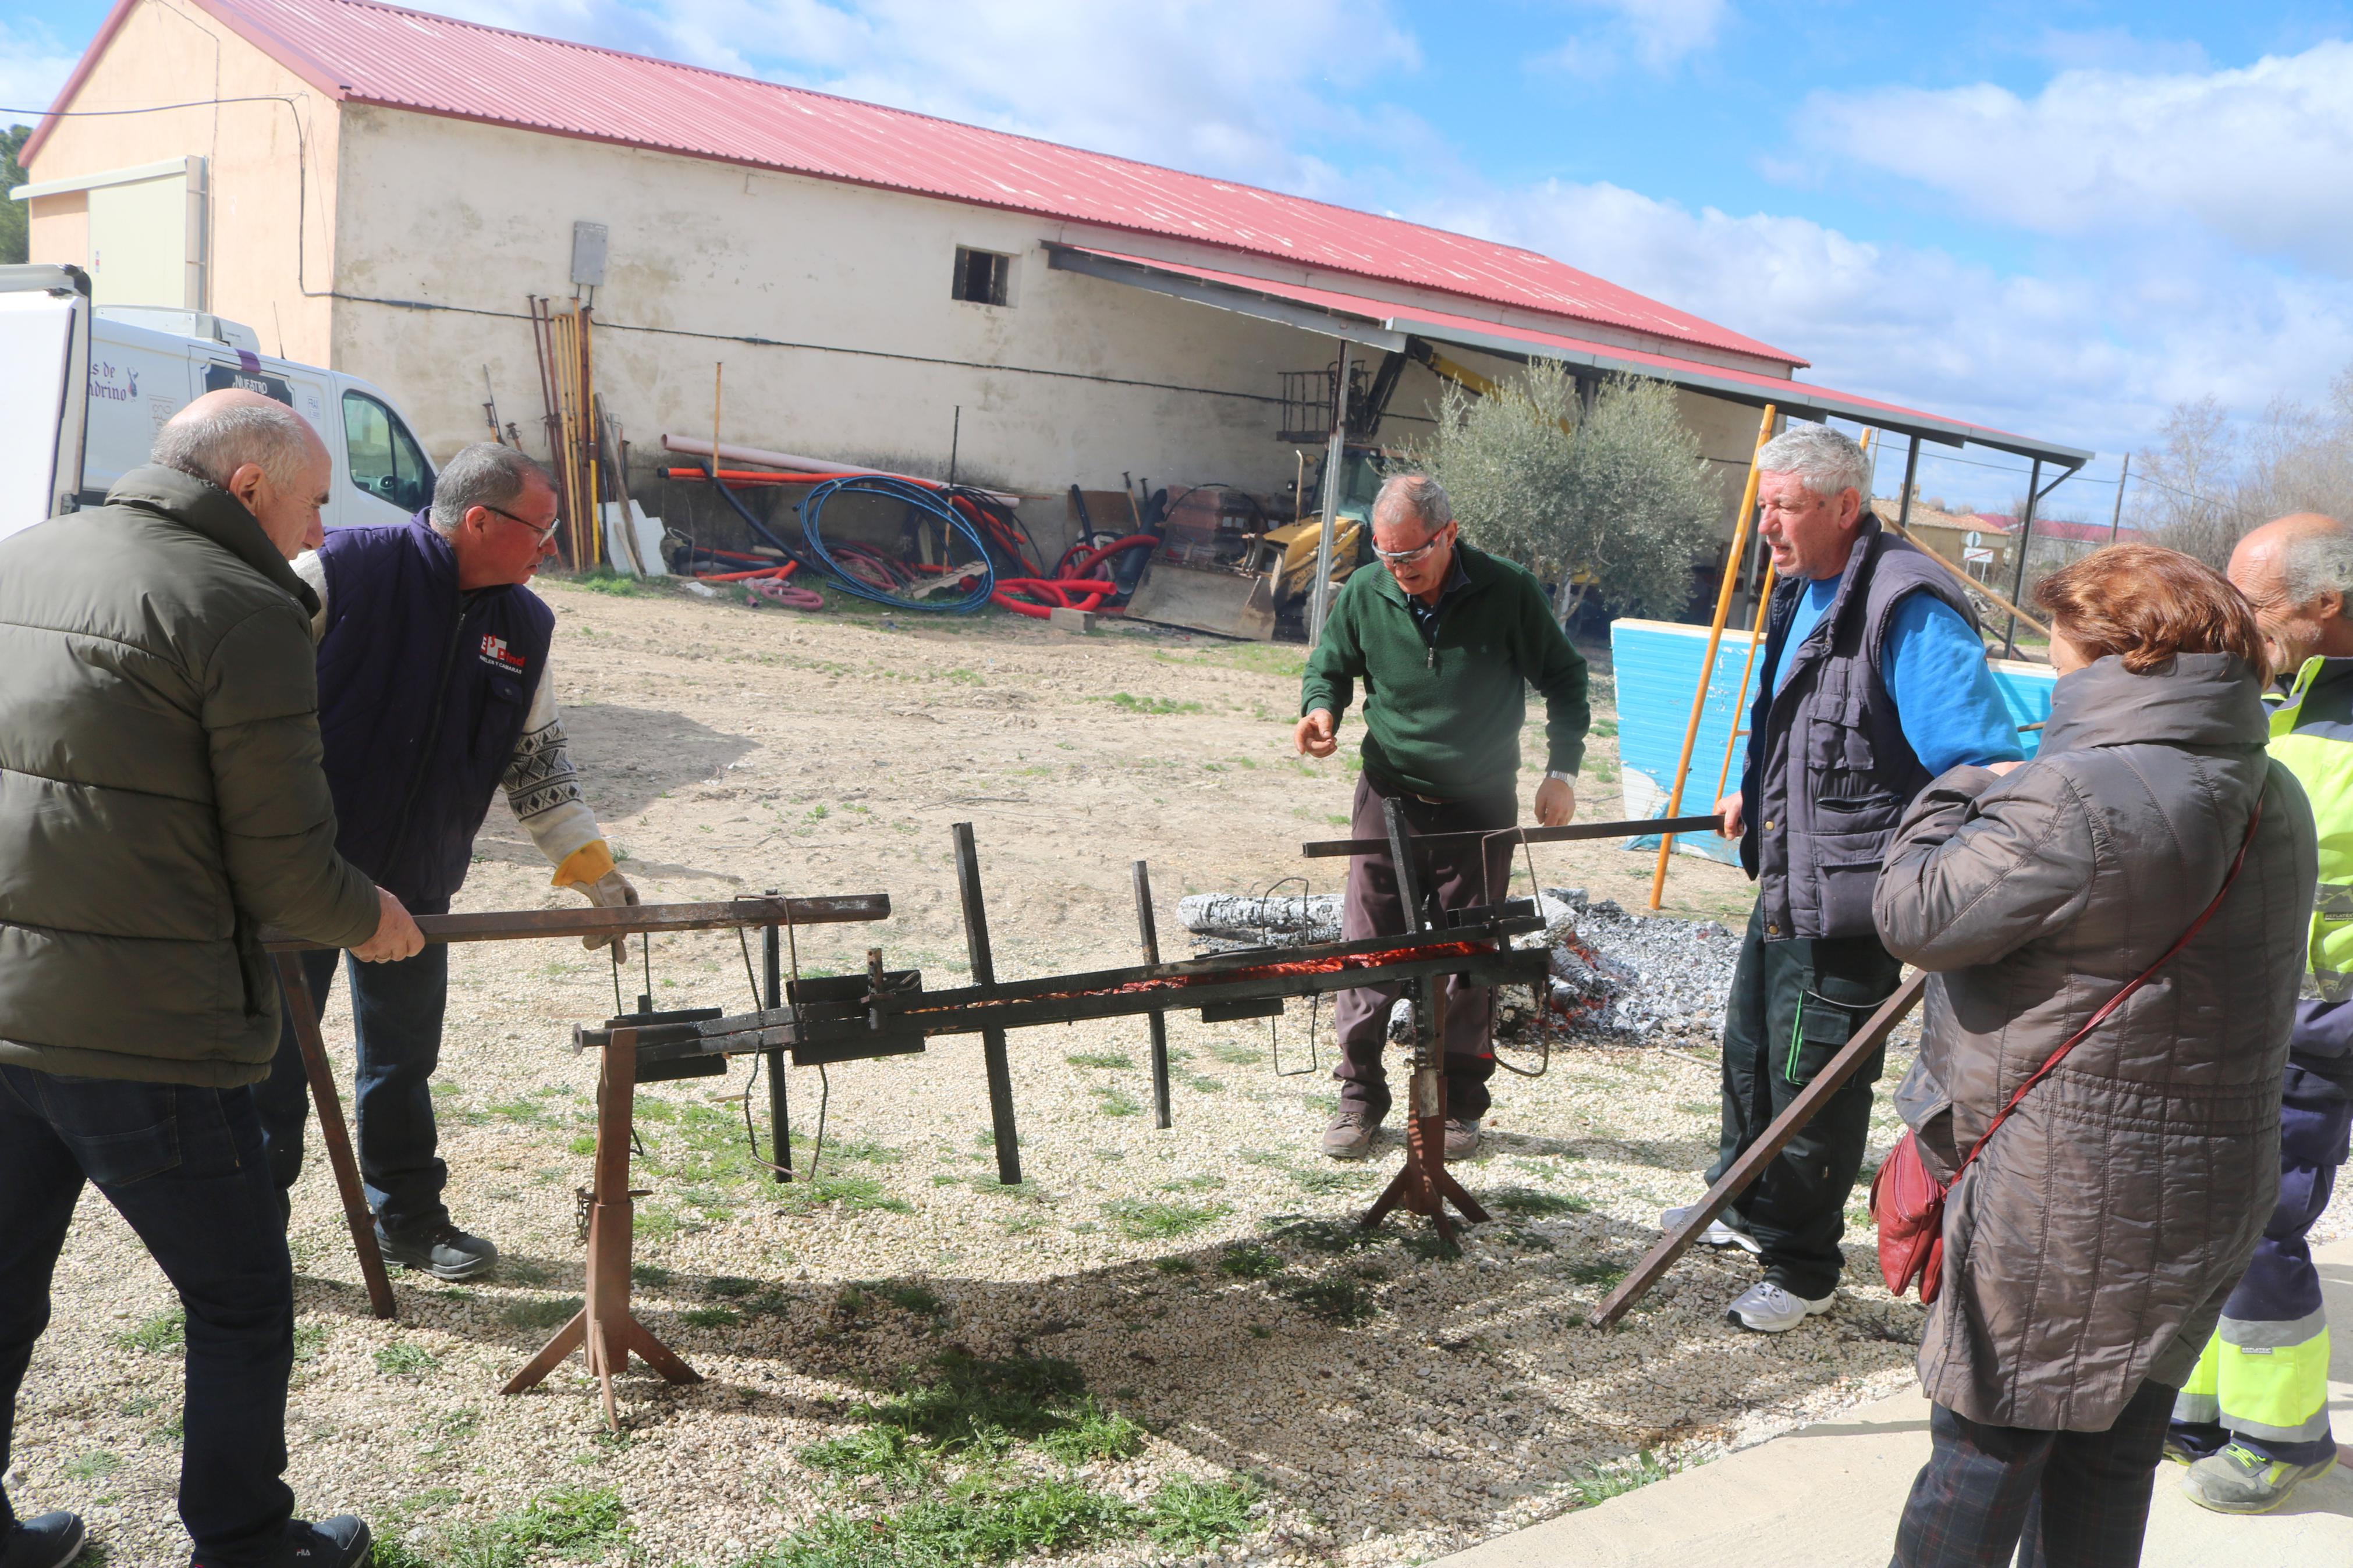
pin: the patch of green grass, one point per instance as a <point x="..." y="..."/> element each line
<point x="1332" y="1178"/>
<point x="1238" y="1055"/>
<point x="1193" y="1514"/>
<point x="710" y="1317"/>
<point x="1529" y="1203"/>
<point x="653" y="1276"/>
<point x="91" y="1465"/>
<point x="1102" y="1059"/>
<point x="1597" y="1272"/>
<point x="983" y="1405"/>
<point x="586" y="1143"/>
<point x="541" y="1312"/>
<point x="1599" y="1483"/>
<point x="573" y="1520"/>
<point x="309" y="1339"/>
<point x="524" y="1270"/>
<point x="980" y="1519"/>
<point x="1093" y="1433"/>
<point x="163" y="1333"/>
<point x="910" y="1297"/>
<point x="1112" y="1102"/>
<point x="1339" y="1300"/>
<point x="856" y="1193"/>
<point x="605" y="580"/>
<point x="1173" y="1265"/>
<point x="405" y="1359"/>
<point x="1206" y="1085"/>
<point x="1140" y="1221"/>
<point x="870" y="1453"/>
<point x="528" y="1113"/>
<point x="1127" y="702"/>
<point x="729" y="1287"/>
<point x="1244" y="1261"/>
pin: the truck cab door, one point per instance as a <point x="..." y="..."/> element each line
<point x="386" y="478"/>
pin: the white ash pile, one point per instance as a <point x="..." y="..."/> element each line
<point x="1619" y="974"/>
<point x="1612" y="974"/>
<point x="1222" y="921"/>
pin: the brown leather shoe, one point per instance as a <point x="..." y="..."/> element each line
<point x="1350" y="1136"/>
<point x="1461" y="1137"/>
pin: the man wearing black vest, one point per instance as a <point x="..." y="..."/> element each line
<point x="433" y="693"/>
<point x="1872" y="682"/>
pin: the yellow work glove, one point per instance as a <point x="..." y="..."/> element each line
<point x="591" y="871"/>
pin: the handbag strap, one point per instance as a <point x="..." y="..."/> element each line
<point x="2050" y="1063"/>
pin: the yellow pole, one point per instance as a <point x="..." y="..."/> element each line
<point x="1715" y="641"/>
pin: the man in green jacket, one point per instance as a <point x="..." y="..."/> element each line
<point x="1446" y="639"/>
<point x="161" y="801"/>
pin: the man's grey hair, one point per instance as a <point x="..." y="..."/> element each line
<point x="1418" y="494"/>
<point x="213" y="446"/>
<point x="2318" y="562"/>
<point x="484" y="474"/>
<point x="1827" y="461"/>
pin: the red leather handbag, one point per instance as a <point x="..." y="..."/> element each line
<point x="1908" y="1203"/>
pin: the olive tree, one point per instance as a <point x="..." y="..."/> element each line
<point x="1614" y="500"/>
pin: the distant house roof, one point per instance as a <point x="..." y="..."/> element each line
<point x="2056" y="528"/>
<point x="358" y="51"/>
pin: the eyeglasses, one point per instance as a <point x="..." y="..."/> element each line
<point x="1407" y="557"/>
<point x="545" y="534"/>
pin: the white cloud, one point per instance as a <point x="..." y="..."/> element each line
<point x="1659" y="33"/>
<point x="2092" y="356"/>
<point x="2259" y="156"/>
<point x="33" y="66"/>
<point x="1234" y="88"/>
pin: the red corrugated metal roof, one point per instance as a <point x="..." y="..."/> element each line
<point x="353" y="50"/>
<point x="1472" y="332"/>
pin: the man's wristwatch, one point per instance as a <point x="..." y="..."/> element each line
<point x="1568" y="779"/>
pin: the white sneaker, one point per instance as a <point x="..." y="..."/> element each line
<point x="1767" y="1309"/>
<point x="1717" y="1233"/>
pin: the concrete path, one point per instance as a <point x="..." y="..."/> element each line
<point x="1828" y="1496"/>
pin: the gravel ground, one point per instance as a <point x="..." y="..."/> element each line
<point x="1370" y="1401"/>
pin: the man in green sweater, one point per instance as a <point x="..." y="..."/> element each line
<point x="1446" y="639"/>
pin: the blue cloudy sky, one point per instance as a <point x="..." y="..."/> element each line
<point x="2060" y="218"/>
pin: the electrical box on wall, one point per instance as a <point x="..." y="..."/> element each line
<point x="588" y="254"/>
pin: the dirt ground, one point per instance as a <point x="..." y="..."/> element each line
<point x="894" y="1352"/>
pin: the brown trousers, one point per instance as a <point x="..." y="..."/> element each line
<point x="1461" y="877"/>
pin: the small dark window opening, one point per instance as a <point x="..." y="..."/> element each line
<point x="981" y="276"/>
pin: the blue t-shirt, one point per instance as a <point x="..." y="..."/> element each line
<point x="1936" y="669"/>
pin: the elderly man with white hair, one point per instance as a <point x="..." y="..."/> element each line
<point x="1872" y="682"/>
<point x="161" y="801"/>
<point x="1447" y="640"/>
<point x="434" y="694"/>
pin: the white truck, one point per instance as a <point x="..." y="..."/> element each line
<point x="84" y="391"/>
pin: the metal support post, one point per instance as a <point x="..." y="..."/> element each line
<point x="992" y="1041"/>
<point x="2025" y="538"/>
<point x="1422" y="1185"/>
<point x="605" y="1329"/>
<point x="1151" y="934"/>
<point x="2117" y="518"/>
<point x="780" y="1134"/>
<point x="1335" y="458"/>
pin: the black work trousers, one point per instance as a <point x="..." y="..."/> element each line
<point x="184" y="1166"/>
<point x="1793" y="1005"/>
<point x="2059" y="1499"/>
<point x="1462" y="878"/>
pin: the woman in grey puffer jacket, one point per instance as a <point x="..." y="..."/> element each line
<point x="2088" y="1250"/>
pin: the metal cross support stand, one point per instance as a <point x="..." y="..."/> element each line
<point x="519" y="925"/>
<point x="992" y="1041"/>
<point x="1422" y="1185"/>
<point x="604" y="1326"/>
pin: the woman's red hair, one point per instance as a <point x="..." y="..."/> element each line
<point x="2145" y="603"/>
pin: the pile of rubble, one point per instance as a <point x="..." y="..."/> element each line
<point x="1613" y="974"/>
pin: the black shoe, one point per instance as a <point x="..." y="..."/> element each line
<point x="441" y="1250"/>
<point x="46" y="1541"/>
<point x="342" y="1541"/>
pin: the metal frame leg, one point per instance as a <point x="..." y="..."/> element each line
<point x="1150" y="930"/>
<point x="992" y="1041"/>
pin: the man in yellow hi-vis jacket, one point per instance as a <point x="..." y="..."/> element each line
<point x="2254" y="1419"/>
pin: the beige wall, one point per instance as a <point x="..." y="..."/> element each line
<point x="476" y="216"/>
<point x="167" y="53"/>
